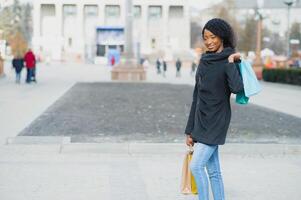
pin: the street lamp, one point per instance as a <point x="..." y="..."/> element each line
<point x="258" y="62"/>
<point x="129" y="31"/>
<point x="289" y="5"/>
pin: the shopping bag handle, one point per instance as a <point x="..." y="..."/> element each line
<point x="190" y="149"/>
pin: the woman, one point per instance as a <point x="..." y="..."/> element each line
<point x="18" y="64"/>
<point x="216" y="78"/>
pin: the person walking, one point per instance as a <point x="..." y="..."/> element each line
<point x="1" y="66"/>
<point x="158" y="65"/>
<point x="178" y="66"/>
<point x="30" y="62"/>
<point x="216" y="78"/>
<point x="112" y="61"/>
<point x="164" y="68"/>
<point x="193" y="68"/>
<point x="18" y="64"/>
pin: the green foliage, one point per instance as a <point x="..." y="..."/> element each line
<point x="290" y="76"/>
<point x="295" y="32"/>
<point x="247" y="36"/>
<point x="16" y="26"/>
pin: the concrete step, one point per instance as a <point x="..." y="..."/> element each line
<point x="64" y="145"/>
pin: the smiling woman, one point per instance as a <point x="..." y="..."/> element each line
<point x="216" y="78"/>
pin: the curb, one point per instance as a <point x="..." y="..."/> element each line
<point x="65" y="146"/>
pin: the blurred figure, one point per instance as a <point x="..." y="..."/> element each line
<point x="158" y="64"/>
<point x="112" y="61"/>
<point x="1" y="66"/>
<point x="193" y="68"/>
<point x="164" y="68"/>
<point x="18" y="64"/>
<point x="145" y="63"/>
<point x="30" y="62"/>
<point x="178" y="66"/>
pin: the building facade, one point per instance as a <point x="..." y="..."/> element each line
<point x="87" y="29"/>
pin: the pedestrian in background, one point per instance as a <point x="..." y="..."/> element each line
<point x="158" y="65"/>
<point x="30" y="62"/>
<point x="18" y="64"/>
<point x="1" y="66"/>
<point x="112" y="61"/>
<point x="216" y="78"/>
<point x="178" y="66"/>
<point x="164" y="68"/>
<point x="193" y="68"/>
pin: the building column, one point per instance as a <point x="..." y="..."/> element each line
<point x="36" y="26"/>
<point x="186" y="15"/>
<point x="101" y="13"/>
<point x="80" y="25"/>
<point x="59" y="34"/>
<point x="145" y="42"/>
<point x="165" y="9"/>
<point x="59" y="18"/>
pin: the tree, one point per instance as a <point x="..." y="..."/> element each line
<point x="226" y="11"/>
<point x="26" y="22"/>
<point x="295" y="32"/>
<point x="196" y="34"/>
<point x="16" y="26"/>
<point x="277" y="44"/>
<point x="247" y="39"/>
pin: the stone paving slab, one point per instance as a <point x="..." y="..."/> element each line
<point x="37" y="174"/>
<point x="146" y="148"/>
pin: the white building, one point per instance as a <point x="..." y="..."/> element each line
<point x="86" y="29"/>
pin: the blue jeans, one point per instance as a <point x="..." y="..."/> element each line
<point x="18" y="77"/>
<point x="29" y="75"/>
<point x="206" y="156"/>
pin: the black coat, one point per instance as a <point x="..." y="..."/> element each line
<point x="210" y="112"/>
<point x="18" y="64"/>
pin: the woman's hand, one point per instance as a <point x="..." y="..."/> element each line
<point x="189" y="141"/>
<point x="233" y="57"/>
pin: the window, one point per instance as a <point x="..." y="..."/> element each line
<point x="153" y="43"/>
<point x="137" y="11"/>
<point x="91" y="10"/>
<point x="101" y="50"/>
<point x="112" y="46"/>
<point x="70" y="42"/>
<point x="176" y="11"/>
<point x="155" y="12"/>
<point x="69" y="10"/>
<point x="48" y="10"/>
<point x="48" y="19"/>
<point x="112" y="11"/>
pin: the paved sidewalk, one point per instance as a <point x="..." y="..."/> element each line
<point x="141" y="171"/>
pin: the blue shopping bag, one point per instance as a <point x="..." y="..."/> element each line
<point x="250" y="81"/>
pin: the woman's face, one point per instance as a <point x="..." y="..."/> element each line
<point x="212" y="42"/>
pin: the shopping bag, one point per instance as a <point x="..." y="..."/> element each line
<point x="241" y="98"/>
<point x="251" y="84"/>
<point x="188" y="185"/>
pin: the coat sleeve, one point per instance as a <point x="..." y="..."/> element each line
<point x="190" y="123"/>
<point x="234" y="78"/>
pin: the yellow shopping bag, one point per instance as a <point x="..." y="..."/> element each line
<point x="188" y="185"/>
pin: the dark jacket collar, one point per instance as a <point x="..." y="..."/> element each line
<point x="217" y="57"/>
